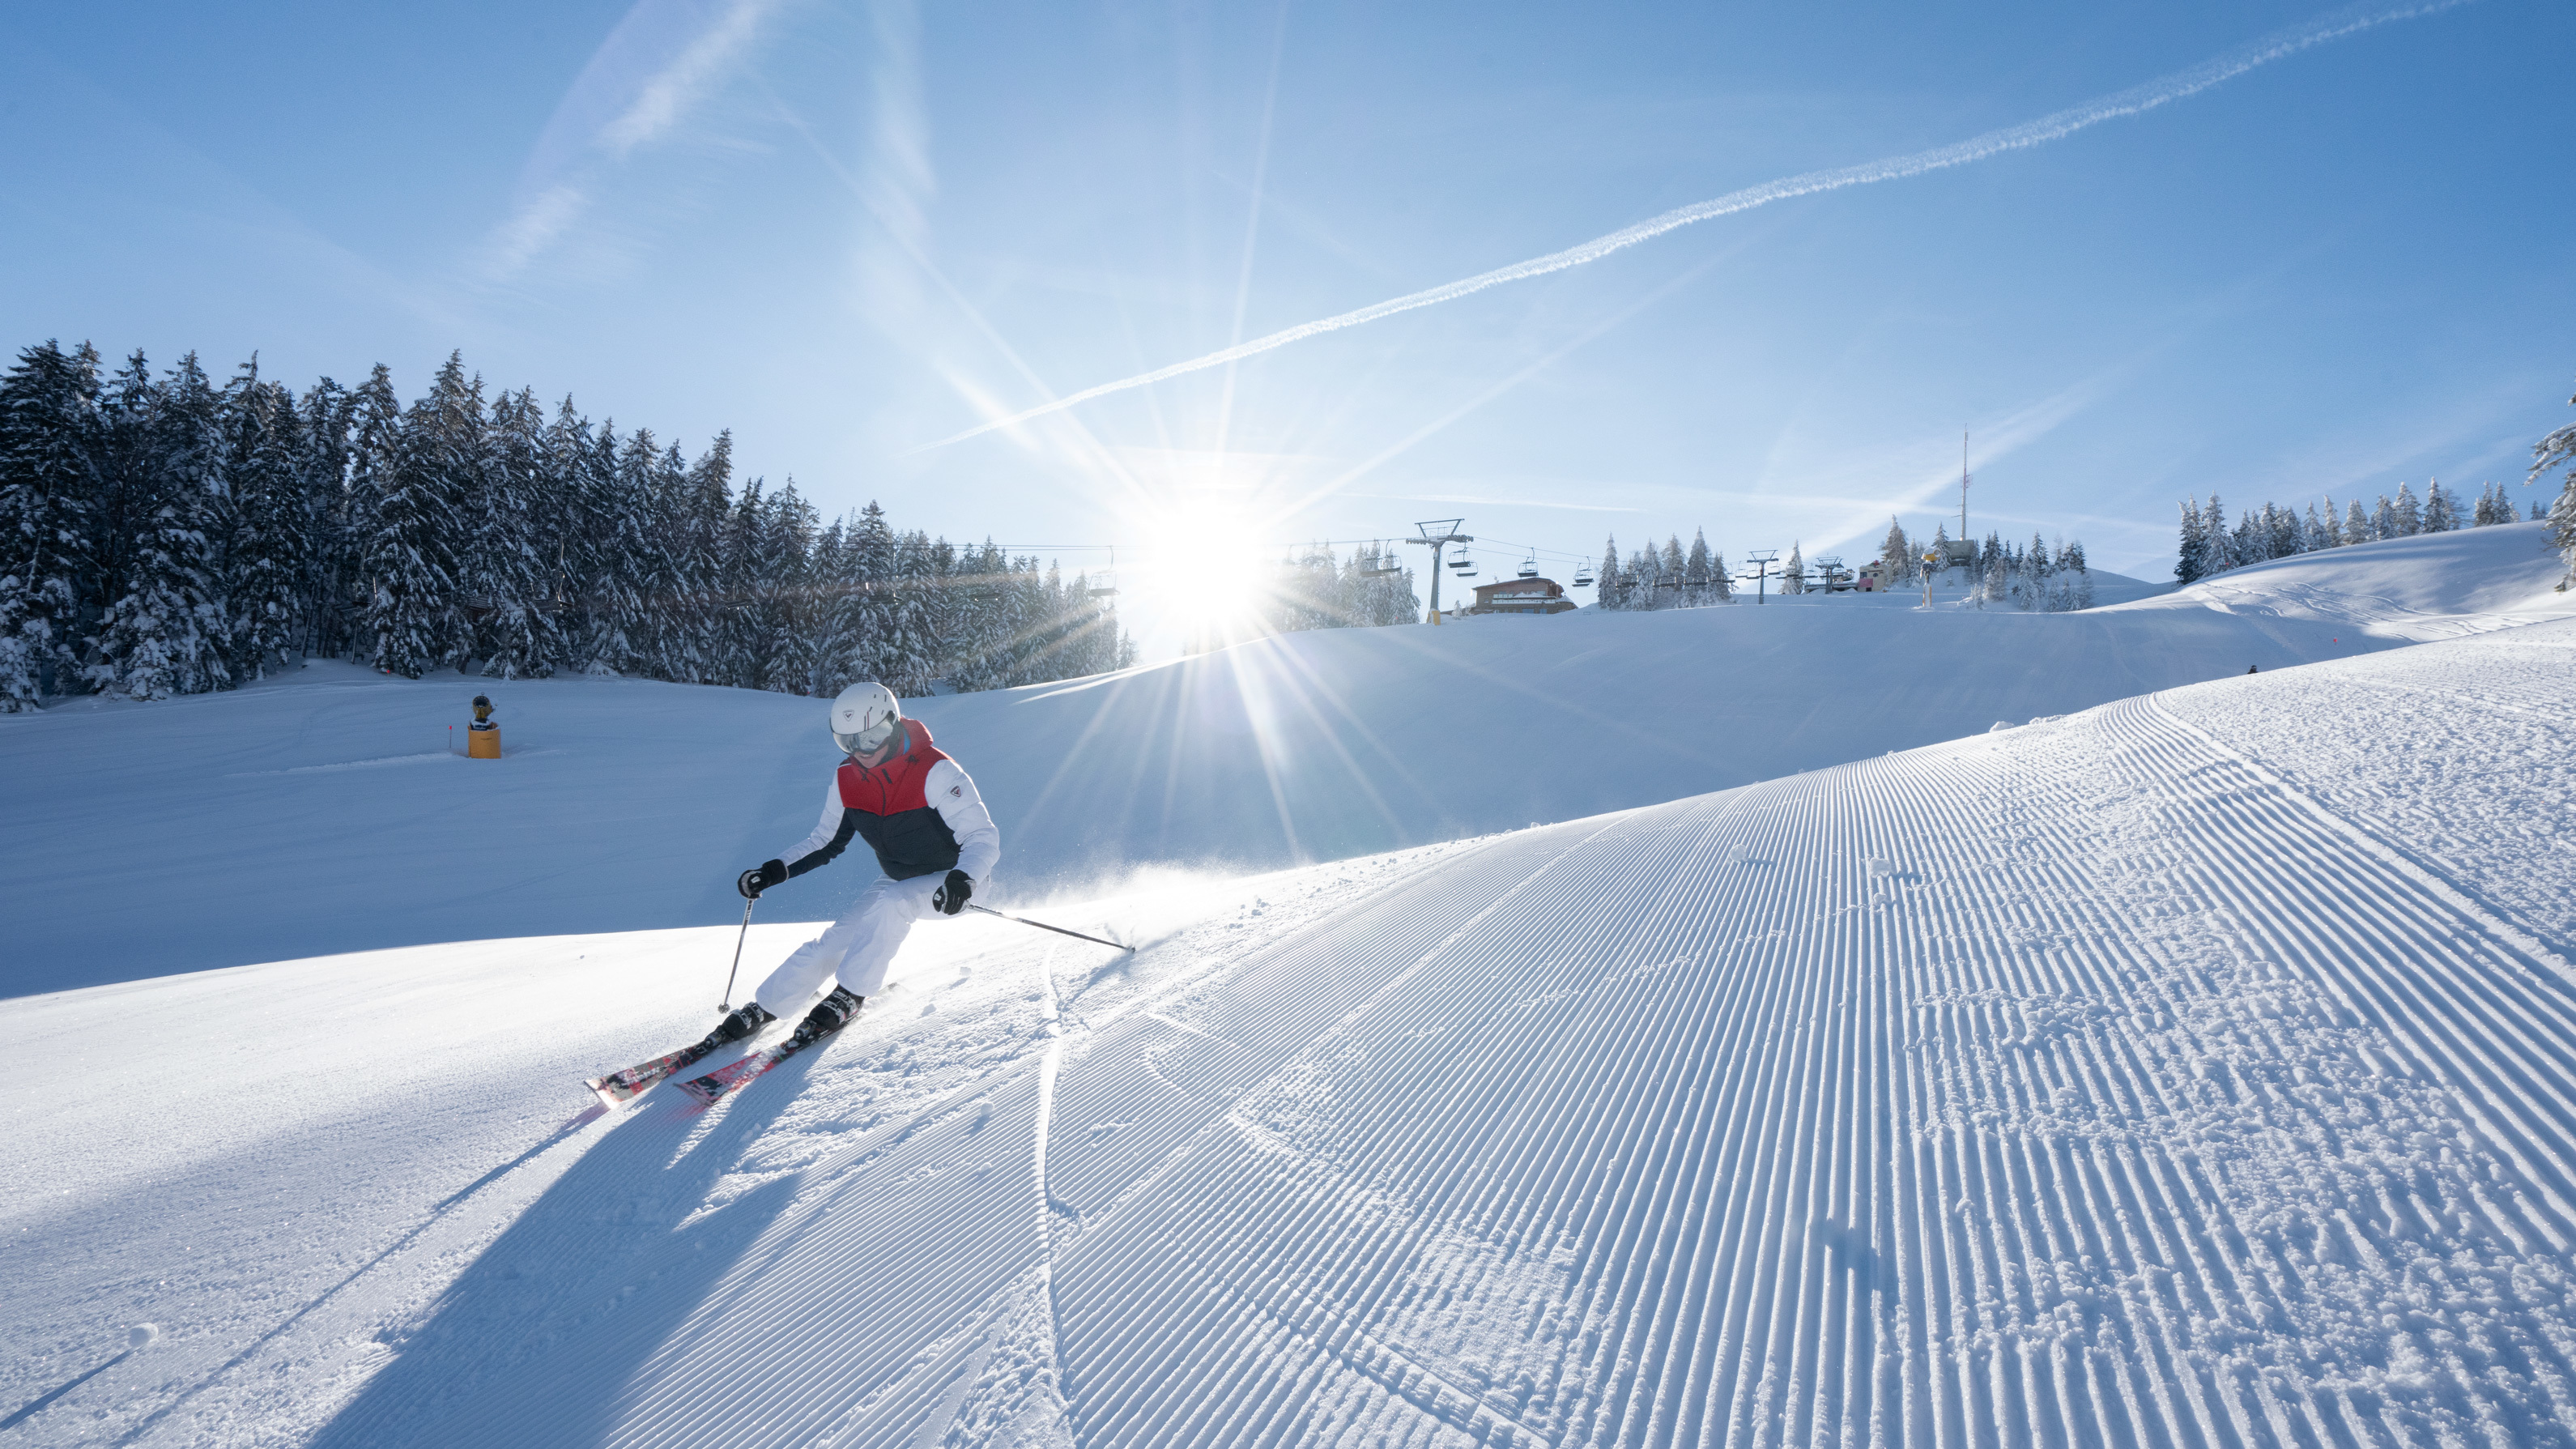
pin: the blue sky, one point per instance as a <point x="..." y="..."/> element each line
<point x="846" y="231"/>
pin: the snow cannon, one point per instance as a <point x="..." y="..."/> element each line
<point x="483" y="738"/>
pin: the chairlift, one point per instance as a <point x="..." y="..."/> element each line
<point x="1529" y="567"/>
<point x="1382" y="571"/>
<point x="1583" y="578"/>
<point x="1463" y="563"/>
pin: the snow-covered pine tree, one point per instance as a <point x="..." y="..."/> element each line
<point x="715" y="641"/>
<point x="513" y="521"/>
<point x="2559" y="450"/>
<point x="2441" y="511"/>
<point x="409" y="555"/>
<point x="651" y="571"/>
<point x="268" y="555"/>
<point x="873" y="613"/>
<point x="686" y="533"/>
<point x="2253" y="542"/>
<point x="2218" y="541"/>
<point x="324" y="419"/>
<point x="616" y="559"/>
<point x="1895" y="556"/>
<point x="1695" y="575"/>
<point x="128" y="406"/>
<point x="1647" y="588"/>
<point x="1719" y="579"/>
<point x="782" y="542"/>
<point x="2485" y="517"/>
<point x="166" y="635"/>
<point x="1609" y="588"/>
<point x="2191" y="555"/>
<point x="1672" y="566"/>
<point x="2383" y="519"/>
<point x="375" y="455"/>
<point x="2317" y="533"/>
<point x="2289" y="539"/>
<point x="791" y="532"/>
<point x="2409" y="513"/>
<point x="1793" y="574"/>
<point x="49" y="494"/>
<point x="822" y="614"/>
<point x="2356" y="524"/>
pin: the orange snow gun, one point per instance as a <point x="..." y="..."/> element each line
<point x="483" y="738"/>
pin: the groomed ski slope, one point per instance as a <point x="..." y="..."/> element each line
<point x="2192" y="1070"/>
<point x="322" y="813"/>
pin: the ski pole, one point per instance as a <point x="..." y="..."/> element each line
<point x="1043" y="926"/>
<point x="727" y="1003"/>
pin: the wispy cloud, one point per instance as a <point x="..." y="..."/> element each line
<point x="2130" y="102"/>
<point x="640" y="87"/>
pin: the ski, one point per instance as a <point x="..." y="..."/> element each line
<point x="619" y="1088"/>
<point x="734" y="1076"/>
<point x="715" y="1085"/>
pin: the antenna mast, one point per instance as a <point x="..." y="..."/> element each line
<point x="1963" y="485"/>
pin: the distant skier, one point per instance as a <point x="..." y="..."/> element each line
<point x="932" y="836"/>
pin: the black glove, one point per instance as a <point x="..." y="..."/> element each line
<point x="951" y="896"/>
<point x="760" y="878"/>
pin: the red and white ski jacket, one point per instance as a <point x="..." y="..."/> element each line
<point x="918" y="811"/>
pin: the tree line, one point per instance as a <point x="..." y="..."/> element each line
<point x="2209" y="546"/>
<point x="1670" y="577"/>
<point x="163" y="534"/>
<point x="1316" y="590"/>
<point x="1663" y="578"/>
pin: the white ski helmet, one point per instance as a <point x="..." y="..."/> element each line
<point x="864" y="717"/>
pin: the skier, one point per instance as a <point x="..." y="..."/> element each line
<point x="932" y="836"/>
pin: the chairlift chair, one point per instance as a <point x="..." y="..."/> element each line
<point x="1583" y="578"/>
<point x="1529" y="567"/>
<point x="1463" y="563"/>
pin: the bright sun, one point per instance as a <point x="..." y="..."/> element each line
<point x="1198" y="572"/>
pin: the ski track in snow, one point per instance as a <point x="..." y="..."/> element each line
<point x="2191" y="1070"/>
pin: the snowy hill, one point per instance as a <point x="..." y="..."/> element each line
<point x="2194" y="1069"/>
<point x="2431" y="586"/>
<point x="323" y="813"/>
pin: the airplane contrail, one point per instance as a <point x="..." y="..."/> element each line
<point x="2130" y="102"/>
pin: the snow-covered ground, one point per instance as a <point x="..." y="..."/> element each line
<point x="323" y="813"/>
<point x="2431" y="586"/>
<point x="2197" y="1068"/>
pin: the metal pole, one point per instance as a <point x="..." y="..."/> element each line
<point x="727" y="1003"/>
<point x="1043" y="926"/>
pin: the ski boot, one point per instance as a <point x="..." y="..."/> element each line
<point x="745" y="1019"/>
<point x="828" y="1016"/>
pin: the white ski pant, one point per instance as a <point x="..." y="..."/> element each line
<point x="857" y="948"/>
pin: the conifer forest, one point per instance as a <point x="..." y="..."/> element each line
<point x="165" y="534"/>
<point x="2209" y="546"/>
